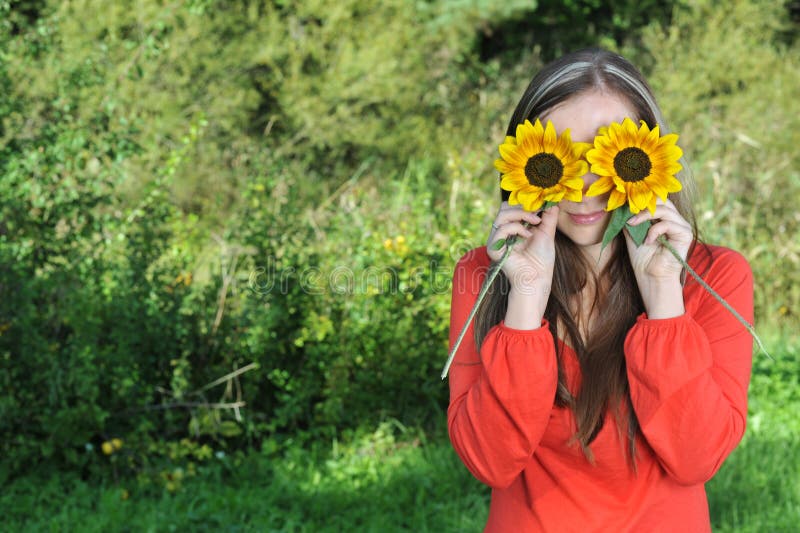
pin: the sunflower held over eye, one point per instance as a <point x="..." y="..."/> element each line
<point x="636" y="165"/>
<point x="539" y="166"/>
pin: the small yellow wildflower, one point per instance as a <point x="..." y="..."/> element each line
<point x="107" y="448"/>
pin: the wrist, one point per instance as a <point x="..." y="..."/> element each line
<point x="526" y="306"/>
<point x="663" y="299"/>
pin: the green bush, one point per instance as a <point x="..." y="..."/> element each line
<point x="231" y="224"/>
<point x="725" y="87"/>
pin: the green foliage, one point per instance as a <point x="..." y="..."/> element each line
<point x="92" y="320"/>
<point x="555" y="27"/>
<point x="194" y="189"/>
<point x="327" y="301"/>
<point x="754" y="490"/>
<point x="387" y="479"/>
<point x="390" y="477"/>
<point x="725" y="88"/>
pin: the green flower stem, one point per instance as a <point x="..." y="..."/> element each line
<point x="713" y="293"/>
<point x="493" y="272"/>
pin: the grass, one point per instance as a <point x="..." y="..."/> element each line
<point x="378" y="484"/>
<point x="758" y="487"/>
<point x="395" y="479"/>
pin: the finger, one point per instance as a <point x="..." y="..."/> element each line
<point x="516" y="215"/>
<point x="512" y="228"/>
<point x="663" y="211"/>
<point x="549" y="221"/>
<point x="494" y="252"/>
<point x="673" y="231"/>
<point x="504" y="233"/>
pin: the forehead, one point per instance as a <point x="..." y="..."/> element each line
<point x="584" y="113"/>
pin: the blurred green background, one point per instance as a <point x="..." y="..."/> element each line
<point x="227" y="230"/>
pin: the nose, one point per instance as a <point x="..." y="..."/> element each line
<point x="588" y="179"/>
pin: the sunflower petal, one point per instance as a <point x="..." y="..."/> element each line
<point x="629" y="132"/>
<point x="526" y="138"/>
<point x="530" y="199"/>
<point x="639" y="197"/>
<point x="522" y="131"/>
<point x="619" y="183"/>
<point x="572" y="183"/>
<point x="554" y="194"/>
<point x="669" y="138"/>
<point x="602" y="170"/>
<point x="549" y="139"/>
<point x="653" y="135"/>
<point x="512" y="155"/>
<point x="579" y="149"/>
<point x="672" y="185"/>
<point x="616" y="199"/>
<point x="593" y="155"/>
<point x="605" y="142"/>
<point x="564" y="146"/>
<point x="657" y="187"/>
<point x="667" y="152"/>
<point x="576" y="169"/>
<point x="574" y="195"/>
<point x="512" y="182"/>
<point x="601" y="186"/>
<point x="504" y="166"/>
<point x="651" y="206"/>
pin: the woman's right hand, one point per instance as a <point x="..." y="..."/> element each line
<point x="529" y="268"/>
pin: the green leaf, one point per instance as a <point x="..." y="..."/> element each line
<point x="229" y="428"/>
<point x="638" y="232"/>
<point x="619" y="217"/>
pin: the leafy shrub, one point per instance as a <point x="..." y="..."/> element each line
<point x="231" y="224"/>
<point x="724" y="88"/>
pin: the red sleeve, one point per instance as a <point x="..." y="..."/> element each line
<point x="688" y="375"/>
<point x="500" y="398"/>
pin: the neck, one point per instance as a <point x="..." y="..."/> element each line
<point x="598" y="260"/>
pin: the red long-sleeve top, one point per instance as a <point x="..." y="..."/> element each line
<point x="688" y="380"/>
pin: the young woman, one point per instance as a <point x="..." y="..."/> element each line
<point x="598" y="392"/>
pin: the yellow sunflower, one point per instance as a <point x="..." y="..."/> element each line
<point x="539" y="166"/>
<point x="635" y="165"/>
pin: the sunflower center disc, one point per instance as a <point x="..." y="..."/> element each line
<point x="632" y="164"/>
<point x="544" y="170"/>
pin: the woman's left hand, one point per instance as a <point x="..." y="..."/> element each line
<point x="657" y="271"/>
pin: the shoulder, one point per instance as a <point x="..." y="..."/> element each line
<point x="716" y="262"/>
<point x="471" y="270"/>
<point x="725" y="270"/>
<point x="475" y="258"/>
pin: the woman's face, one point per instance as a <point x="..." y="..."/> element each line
<point x="584" y="222"/>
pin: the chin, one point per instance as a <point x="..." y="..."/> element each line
<point x="584" y="238"/>
<point x="583" y="234"/>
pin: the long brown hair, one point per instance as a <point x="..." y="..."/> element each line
<point x="617" y="302"/>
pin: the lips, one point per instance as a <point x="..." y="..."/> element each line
<point x="588" y="218"/>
